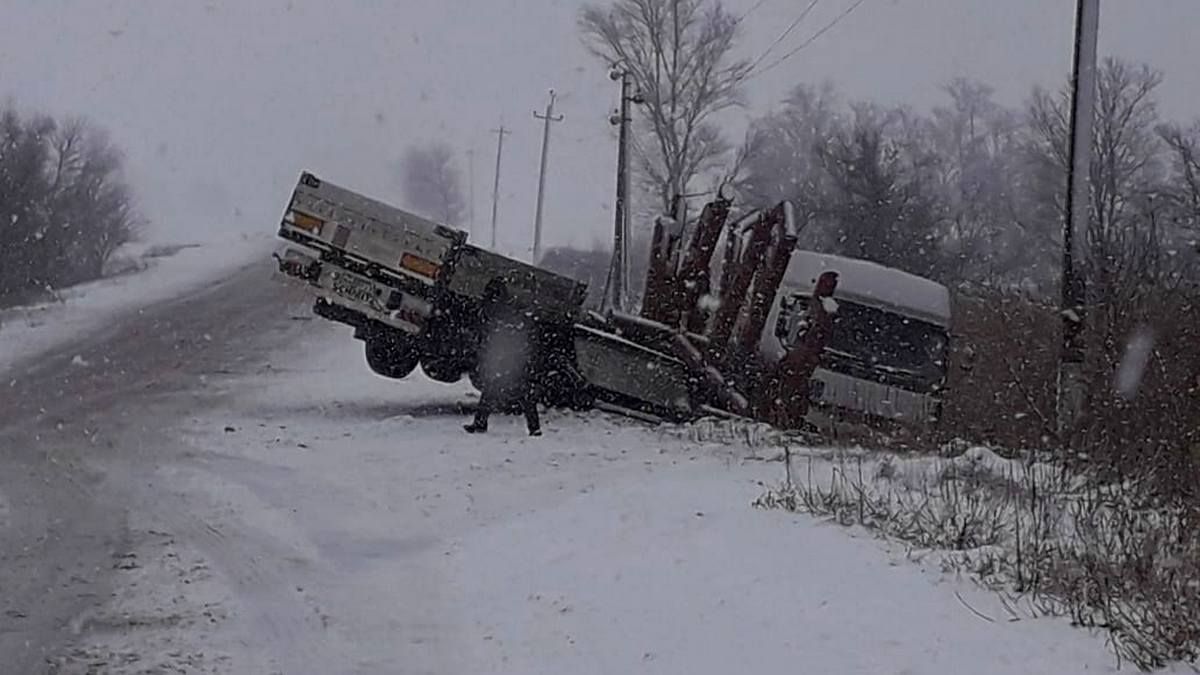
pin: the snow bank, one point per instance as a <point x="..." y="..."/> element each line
<point x="1069" y="546"/>
<point x="27" y="331"/>
<point x="921" y="471"/>
<point x="670" y="573"/>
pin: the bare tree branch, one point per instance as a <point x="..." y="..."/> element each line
<point x="679" y="53"/>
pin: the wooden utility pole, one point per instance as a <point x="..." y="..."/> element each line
<point x="537" y="219"/>
<point x="500" y="133"/>
<point x="1072" y="384"/>
<point x="619" y="271"/>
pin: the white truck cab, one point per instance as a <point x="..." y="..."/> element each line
<point x="886" y="358"/>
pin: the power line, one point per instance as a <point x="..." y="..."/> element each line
<point x="750" y="11"/>
<point x="812" y="38"/>
<point x="783" y="36"/>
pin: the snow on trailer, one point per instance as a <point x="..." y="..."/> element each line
<point x="874" y="285"/>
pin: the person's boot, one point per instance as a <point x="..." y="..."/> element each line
<point x="532" y="421"/>
<point x="480" y="423"/>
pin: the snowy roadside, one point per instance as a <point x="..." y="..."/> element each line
<point x="80" y="310"/>
<point x="1050" y="539"/>
<point x="345" y="524"/>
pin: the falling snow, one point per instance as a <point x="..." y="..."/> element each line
<point x="708" y="303"/>
<point x="1133" y="365"/>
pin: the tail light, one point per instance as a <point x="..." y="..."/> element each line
<point x="419" y="265"/>
<point x="303" y="221"/>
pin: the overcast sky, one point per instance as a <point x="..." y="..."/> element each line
<point x="219" y="105"/>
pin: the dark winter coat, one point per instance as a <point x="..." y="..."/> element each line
<point x="510" y="351"/>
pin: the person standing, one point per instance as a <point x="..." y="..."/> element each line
<point x="510" y="356"/>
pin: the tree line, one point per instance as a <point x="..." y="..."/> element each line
<point x="64" y="205"/>
<point x="973" y="193"/>
<point x="970" y="193"/>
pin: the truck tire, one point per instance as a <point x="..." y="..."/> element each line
<point x="443" y="369"/>
<point x="391" y="355"/>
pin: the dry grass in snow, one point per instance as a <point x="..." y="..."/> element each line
<point x="1052" y="540"/>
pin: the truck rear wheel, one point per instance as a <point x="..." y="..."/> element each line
<point x="443" y="368"/>
<point x="391" y="355"/>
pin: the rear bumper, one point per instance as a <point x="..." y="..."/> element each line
<point x="364" y="326"/>
<point x="340" y="314"/>
<point x="297" y="264"/>
<point x="379" y="306"/>
<point x="868" y="399"/>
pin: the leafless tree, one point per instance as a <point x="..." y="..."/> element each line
<point x="23" y="155"/>
<point x="679" y="53"/>
<point x="64" y="206"/>
<point x="879" y="203"/>
<point x="1183" y="147"/>
<point x="432" y="183"/>
<point x="977" y="142"/>
<point x="782" y="150"/>
<point x="1128" y="235"/>
<point x="108" y="200"/>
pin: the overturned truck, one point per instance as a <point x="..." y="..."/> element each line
<point x="727" y="307"/>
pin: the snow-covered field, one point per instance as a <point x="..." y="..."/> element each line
<point x="328" y="521"/>
<point x="27" y="331"/>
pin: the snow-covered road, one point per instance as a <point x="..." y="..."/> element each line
<point x="285" y="511"/>
<point x="349" y="526"/>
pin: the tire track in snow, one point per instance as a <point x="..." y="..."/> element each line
<point x="260" y="566"/>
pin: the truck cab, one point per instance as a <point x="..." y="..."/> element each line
<point x="886" y="359"/>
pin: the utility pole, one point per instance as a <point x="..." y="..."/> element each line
<point x="537" y="219"/>
<point x="501" y="133"/>
<point x="619" y="272"/>
<point x="471" y="188"/>
<point x="1072" y="384"/>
